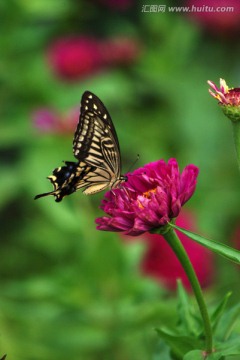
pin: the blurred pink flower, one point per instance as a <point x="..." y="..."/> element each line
<point x="77" y="57"/>
<point x="152" y="196"/>
<point x="120" y="51"/>
<point x="215" y="16"/>
<point x="161" y="263"/>
<point x="236" y="237"/>
<point x="45" y="119"/>
<point x="49" y="121"/>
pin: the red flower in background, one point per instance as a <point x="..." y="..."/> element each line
<point x="120" y="51"/>
<point x="49" y="121"/>
<point x="236" y="237"/>
<point x="77" y="57"/>
<point x="216" y="18"/>
<point x="160" y="262"/>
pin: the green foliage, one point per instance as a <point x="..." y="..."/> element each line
<point x="67" y="290"/>
<point x="191" y="345"/>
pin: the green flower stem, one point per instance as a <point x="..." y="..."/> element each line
<point x="173" y="240"/>
<point x="236" y="135"/>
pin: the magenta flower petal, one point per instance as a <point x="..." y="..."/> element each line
<point x="152" y="196"/>
<point x="188" y="182"/>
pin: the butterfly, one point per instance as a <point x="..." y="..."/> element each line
<point x="96" y="147"/>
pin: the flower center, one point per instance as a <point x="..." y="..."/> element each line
<point x="147" y="194"/>
<point x="233" y="97"/>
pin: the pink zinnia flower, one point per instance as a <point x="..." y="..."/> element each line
<point x="161" y="263"/>
<point x="152" y="196"/>
<point x="49" y="121"/>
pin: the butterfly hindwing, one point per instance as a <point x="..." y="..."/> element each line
<point x="67" y="179"/>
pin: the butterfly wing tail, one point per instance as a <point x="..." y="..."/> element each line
<point x="58" y="197"/>
<point x="63" y="180"/>
<point x="41" y="195"/>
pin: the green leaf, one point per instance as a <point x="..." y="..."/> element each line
<point x="179" y="344"/>
<point x="162" y="352"/>
<point x="228" y="348"/>
<point x="219" y="248"/>
<point x="185" y="315"/>
<point x="227" y="322"/>
<point x="194" y="355"/>
<point x="219" y="311"/>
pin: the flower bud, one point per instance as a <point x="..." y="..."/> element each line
<point x="229" y="99"/>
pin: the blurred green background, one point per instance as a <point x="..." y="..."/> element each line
<point x="66" y="289"/>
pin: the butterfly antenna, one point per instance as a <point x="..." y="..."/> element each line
<point x="132" y="165"/>
<point x="135" y="161"/>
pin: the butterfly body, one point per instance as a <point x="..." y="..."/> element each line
<point x="96" y="147"/>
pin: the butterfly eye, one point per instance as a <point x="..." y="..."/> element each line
<point x="67" y="175"/>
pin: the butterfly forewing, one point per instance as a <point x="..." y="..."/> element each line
<point x="95" y="139"/>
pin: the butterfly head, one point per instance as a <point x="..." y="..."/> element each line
<point x="117" y="182"/>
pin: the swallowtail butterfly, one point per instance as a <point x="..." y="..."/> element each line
<point x="96" y="147"/>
